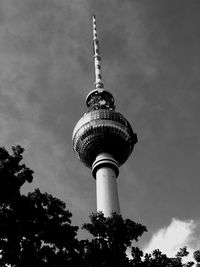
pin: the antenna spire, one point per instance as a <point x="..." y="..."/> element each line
<point x="98" y="98"/>
<point x="97" y="58"/>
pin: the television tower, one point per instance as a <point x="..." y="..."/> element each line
<point x="103" y="139"/>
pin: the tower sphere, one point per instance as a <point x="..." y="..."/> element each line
<point x="103" y="131"/>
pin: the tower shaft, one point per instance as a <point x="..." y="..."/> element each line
<point x="105" y="170"/>
<point x="106" y="192"/>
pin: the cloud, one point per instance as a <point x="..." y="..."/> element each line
<point x="176" y="235"/>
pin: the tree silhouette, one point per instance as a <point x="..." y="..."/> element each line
<point x="36" y="230"/>
<point x="197" y="257"/>
<point x="12" y="174"/>
<point x="112" y="237"/>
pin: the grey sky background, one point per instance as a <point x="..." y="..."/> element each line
<point x="151" y="63"/>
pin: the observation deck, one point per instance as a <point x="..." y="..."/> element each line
<point x="102" y="130"/>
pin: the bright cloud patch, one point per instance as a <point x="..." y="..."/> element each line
<point x="178" y="234"/>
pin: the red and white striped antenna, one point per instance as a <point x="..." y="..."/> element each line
<point x="97" y="58"/>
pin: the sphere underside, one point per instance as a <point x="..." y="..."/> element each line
<point x="101" y="131"/>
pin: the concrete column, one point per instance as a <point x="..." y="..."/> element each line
<point x="105" y="170"/>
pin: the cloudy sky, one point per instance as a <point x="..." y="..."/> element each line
<point x="151" y="64"/>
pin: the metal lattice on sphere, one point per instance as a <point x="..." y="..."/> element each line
<point x="100" y="131"/>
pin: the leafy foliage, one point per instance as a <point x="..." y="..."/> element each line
<point x="197" y="255"/>
<point x="36" y="230"/>
<point x="112" y="237"/>
<point x="12" y="174"/>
